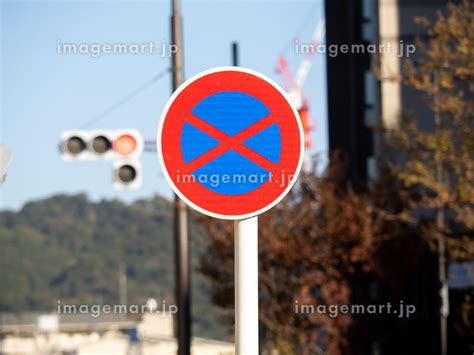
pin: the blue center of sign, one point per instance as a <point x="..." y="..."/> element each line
<point x="231" y="173"/>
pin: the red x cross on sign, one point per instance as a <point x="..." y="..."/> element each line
<point x="231" y="142"/>
<point x="231" y="151"/>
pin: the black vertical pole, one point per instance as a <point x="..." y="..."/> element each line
<point x="235" y="54"/>
<point x="183" y="293"/>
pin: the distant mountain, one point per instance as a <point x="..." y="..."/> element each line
<point x="70" y="249"/>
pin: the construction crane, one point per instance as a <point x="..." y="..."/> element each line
<point x="294" y="85"/>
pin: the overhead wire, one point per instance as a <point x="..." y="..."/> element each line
<point x="99" y="117"/>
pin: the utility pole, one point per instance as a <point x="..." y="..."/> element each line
<point x="183" y="296"/>
<point x="444" y="290"/>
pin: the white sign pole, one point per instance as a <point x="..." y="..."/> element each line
<point x="246" y="286"/>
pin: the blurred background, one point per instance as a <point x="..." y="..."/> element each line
<point x="382" y="214"/>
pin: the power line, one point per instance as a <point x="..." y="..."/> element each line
<point x="125" y="99"/>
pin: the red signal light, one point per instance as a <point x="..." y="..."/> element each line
<point x="125" y="144"/>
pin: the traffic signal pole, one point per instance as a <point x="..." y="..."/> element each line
<point x="183" y="293"/>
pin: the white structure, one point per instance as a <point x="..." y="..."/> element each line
<point x="5" y="157"/>
<point x="84" y="335"/>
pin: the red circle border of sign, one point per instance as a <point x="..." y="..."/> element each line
<point x="183" y="101"/>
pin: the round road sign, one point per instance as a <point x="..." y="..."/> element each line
<point x="229" y="143"/>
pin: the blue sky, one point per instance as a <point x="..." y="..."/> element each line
<point x="44" y="92"/>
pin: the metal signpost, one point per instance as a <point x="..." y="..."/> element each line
<point x="231" y="146"/>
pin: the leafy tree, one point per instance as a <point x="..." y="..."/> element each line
<point x="438" y="168"/>
<point x="313" y="248"/>
<point x="325" y="240"/>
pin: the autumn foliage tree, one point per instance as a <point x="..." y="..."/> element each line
<point x="326" y="239"/>
<point x="437" y="170"/>
<point x="312" y="247"/>
<point x="439" y="162"/>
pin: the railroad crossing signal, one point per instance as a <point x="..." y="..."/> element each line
<point x="123" y="146"/>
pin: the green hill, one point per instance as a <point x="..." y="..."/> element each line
<point x="70" y="249"/>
